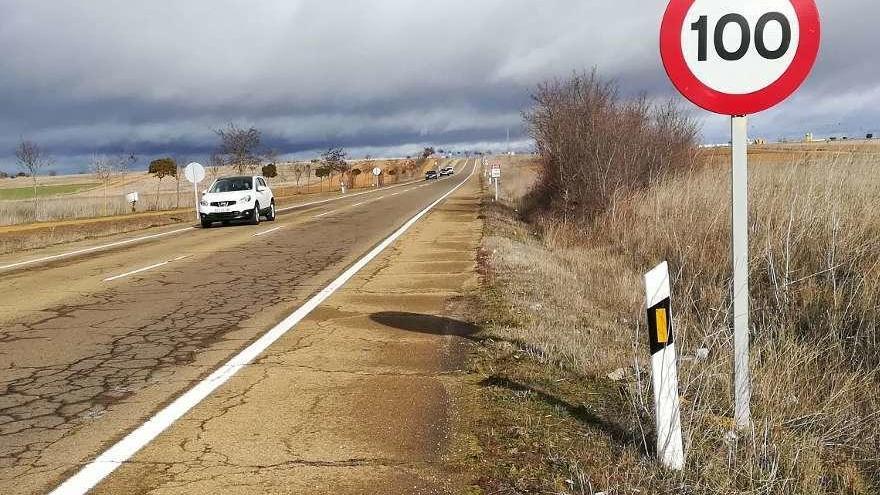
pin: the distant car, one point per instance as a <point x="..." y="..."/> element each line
<point x="446" y="171"/>
<point x="431" y="175"/>
<point x="237" y="198"/>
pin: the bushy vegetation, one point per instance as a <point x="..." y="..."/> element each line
<point x="596" y="146"/>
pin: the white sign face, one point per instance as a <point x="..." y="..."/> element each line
<point x="740" y="47"/>
<point x="377" y="171"/>
<point x="194" y="172"/>
<point x="131" y="197"/>
<point x="495" y="173"/>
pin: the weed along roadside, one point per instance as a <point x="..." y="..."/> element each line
<point x="564" y="364"/>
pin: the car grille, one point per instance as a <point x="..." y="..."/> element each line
<point x="223" y="203"/>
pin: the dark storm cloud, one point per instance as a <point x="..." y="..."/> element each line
<point x="157" y="77"/>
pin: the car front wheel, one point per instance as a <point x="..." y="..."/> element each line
<point x="255" y="219"/>
<point x="271" y="215"/>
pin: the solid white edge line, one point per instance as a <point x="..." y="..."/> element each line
<point x="94" y="472"/>
<point x="91" y="249"/>
<point x="258" y="234"/>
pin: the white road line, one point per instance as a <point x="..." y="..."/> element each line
<point x="258" y="234"/>
<point x="107" y="462"/>
<point x="357" y="204"/>
<point x="146" y="268"/>
<point x="92" y="249"/>
<point x="325" y="213"/>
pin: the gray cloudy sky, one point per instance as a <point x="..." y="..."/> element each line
<point x="380" y="77"/>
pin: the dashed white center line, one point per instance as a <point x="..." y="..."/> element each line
<point x="258" y="234"/>
<point x="357" y="204"/>
<point x="146" y="268"/>
<point x="96" y="248"/>
<point x="325" y="213"/>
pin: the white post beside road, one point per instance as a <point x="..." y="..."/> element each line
<point x="740" y="235"/>
<point x="195" y="173"/>
<point x="664" y="368"/>
<point x="196" y="195"/>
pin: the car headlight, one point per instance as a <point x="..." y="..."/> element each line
<point x="203" y="203"/>
<point x="246" y="199"/>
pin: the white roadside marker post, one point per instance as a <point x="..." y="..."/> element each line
<point x="664" y="368"/>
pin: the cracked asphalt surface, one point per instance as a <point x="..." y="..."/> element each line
<point x="341" y="400"/>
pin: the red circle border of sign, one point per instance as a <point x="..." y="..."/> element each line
<point x="738" y="104"/>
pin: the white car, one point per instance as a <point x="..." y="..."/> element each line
<point x="237" y="198"/>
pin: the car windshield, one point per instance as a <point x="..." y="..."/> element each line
<point x="232" y="184"/>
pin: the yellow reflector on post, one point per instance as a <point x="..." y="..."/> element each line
<point x="662" y="326"/>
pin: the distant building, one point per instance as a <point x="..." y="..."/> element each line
<point x="808" y="138"/>
<point x="760" y="141"/>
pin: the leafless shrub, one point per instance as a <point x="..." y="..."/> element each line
<point x="596" y="146"/>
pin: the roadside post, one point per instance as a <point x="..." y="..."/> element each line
<point x="664" y="367"/>
<point x="495" y="174"/>
<point x="736" y="59"/>
<point x="376" y="173"/>
<point x="195" y="173"/>
<point x="132" y="199"/>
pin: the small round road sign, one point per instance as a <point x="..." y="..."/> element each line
<point x="194" y="172"/>
<point x="377" y="171"/>
<point x="739" y="58"/>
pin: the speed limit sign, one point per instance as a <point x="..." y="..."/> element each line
<point x="738" y="58"/>
<point x="742" y="57"/>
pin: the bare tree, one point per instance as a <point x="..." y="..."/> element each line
<point x="298" y="171"/>
<point x="31" y="159"/>
<point x="334" y="160"/>
<point x="240" y="146"/>
<point x="162" y="168"/>
<point x="103" y="167"/>
<point x="215" y="164"/>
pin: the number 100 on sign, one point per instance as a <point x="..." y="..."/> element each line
<point x="738" y="57"/>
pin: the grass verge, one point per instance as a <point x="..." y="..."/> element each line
<point x="566" y="404"/>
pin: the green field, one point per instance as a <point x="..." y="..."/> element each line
<point x="42" y="191"/>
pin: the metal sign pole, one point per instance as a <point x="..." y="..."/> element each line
<point x="196" y="194"/>
<point x="740" y="237"/>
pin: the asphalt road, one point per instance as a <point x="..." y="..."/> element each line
<point x="94" y="344"/>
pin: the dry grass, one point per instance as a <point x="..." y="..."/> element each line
<point x="577" y="296"/>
